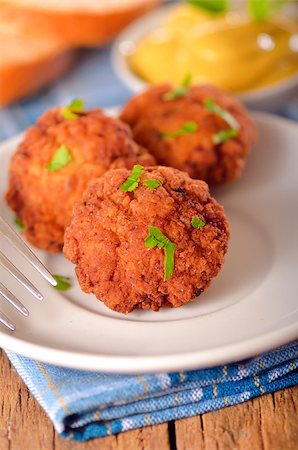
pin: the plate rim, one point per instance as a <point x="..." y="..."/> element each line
<point x="160" y="363"/>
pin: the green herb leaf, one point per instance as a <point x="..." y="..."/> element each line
<point x="258" y="9"/>
<point x="224" y="135"/>
<point x="179" y="91"/>
<point x="75" y="106"/>
<point x="169" y="260"/>
<point x="17" y="221"/>
<point x="133" y="180"/>
<point x="63" y="283"/>
<point x="215" y="6"/>
<point x="157" y="238"/>
<point x="152" y="184"/>
<point x="197" y="222"/>
<point x="261" y="9"/>
<point x="218" y="111"/>
<point x="61" y="158"/>
<point x="186" y="128"/>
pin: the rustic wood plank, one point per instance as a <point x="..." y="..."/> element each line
<point x="109" y="443"/>
<point x="265" y="423"/>
<point x="149" y="438"/>
<point x="280" y="420"/>
<point x="23" y="423"/>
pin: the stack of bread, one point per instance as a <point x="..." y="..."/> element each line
<point x="38" y="38"/>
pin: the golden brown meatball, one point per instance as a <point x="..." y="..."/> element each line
<point x="151" y="116"/>
<point x="106" y="240"/>
<point x="44" y="199"/>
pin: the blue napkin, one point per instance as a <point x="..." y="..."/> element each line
<point x="84" y="405"/>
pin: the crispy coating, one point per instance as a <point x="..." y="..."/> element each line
<point x="44" y="200"/>
<point x="149" y="115"/>
<point x="106" y="240"/>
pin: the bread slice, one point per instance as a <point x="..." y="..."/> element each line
<point x="31" y="54"/>
<point x="37" y="37"/>
<point x="85" y="22"/>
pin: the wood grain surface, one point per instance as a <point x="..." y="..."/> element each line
<point x="266" y="423"/>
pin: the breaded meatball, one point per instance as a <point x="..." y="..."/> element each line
<point x="151" y="118"/>
<point x="43" y="199"/>
<point x="106" y="239"/>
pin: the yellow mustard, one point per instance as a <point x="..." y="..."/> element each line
<point x="228" y="50"/>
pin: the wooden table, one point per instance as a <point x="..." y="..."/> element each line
<point x="267" y="423"/>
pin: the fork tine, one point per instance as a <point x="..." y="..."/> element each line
<point x="4" y="262"/>
<point x="20" y="245"/>
<point x="6" y="322"/>
<point x="13" y="300"/>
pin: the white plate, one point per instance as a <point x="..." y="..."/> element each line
<point x="269" y="98"/>
<point x="251" y="307"/>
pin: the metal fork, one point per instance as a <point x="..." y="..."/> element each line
<point x="21" y="247"/>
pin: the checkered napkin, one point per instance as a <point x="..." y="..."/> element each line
<point x="84" y="405"/>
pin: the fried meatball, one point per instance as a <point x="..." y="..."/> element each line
<point x="42" y="199"/>
<point x="150" y="116"/>
<point x="106" y="240"/>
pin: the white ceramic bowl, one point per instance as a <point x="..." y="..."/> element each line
<point x="269" y="98"/>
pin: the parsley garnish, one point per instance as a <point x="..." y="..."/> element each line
<point x="152" y="184"/>
<point x="17" y="221"/>
<point x="218" y="111"/>
<point x="133" y="180"/>
<point x="63" y="283"/>
<point x="157" y="238"/>
<point x="179" y="91"/>
<point x="224" y="135"/>
<point x="186" y="128"/>
<point x="73" y="108"/>
<point x="61" y="158"/>
<point x="197" y="222"/>
<point x="261" y="9"/>
<point x="258" y="9"/>
<point x="215" y="6"/>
